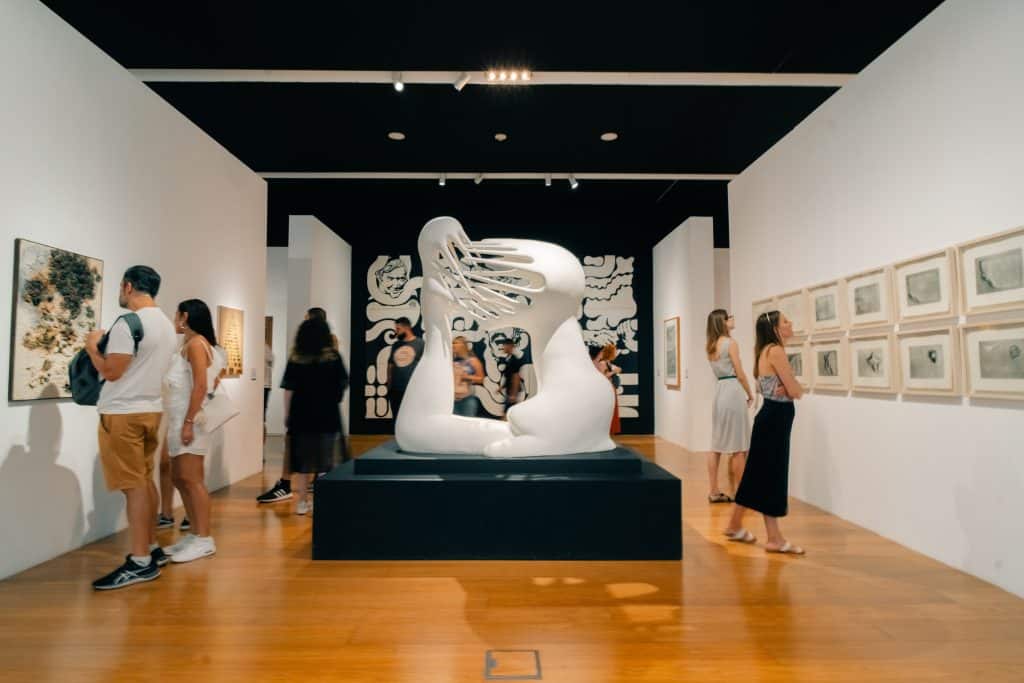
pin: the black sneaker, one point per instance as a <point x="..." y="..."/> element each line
<point x="159" y="556"/>
<point x="282" y="490"/>
<point x="185" y="524"/>
<point x="127" y="574"/>
<point x="163" y="522"/>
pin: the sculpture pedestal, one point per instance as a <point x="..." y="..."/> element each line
<point x="388" y="505"/>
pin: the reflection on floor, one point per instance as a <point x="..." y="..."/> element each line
<point x="857" y="608"/>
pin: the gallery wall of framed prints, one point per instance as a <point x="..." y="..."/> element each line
<point x="921" y="326"/>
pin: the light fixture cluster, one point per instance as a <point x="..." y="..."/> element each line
<point x="442" y="180"/>
<point x="509" y="76"/>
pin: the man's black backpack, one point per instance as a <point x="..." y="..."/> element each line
<point x="86" y="382"/>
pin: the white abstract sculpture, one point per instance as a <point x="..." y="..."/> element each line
<point x="535" y="285"/>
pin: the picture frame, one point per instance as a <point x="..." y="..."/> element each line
<point x="929" y="361"/>
<point x="991" y="272"/>
<point x="794" y="306"/>
<point x="825" y="307"/>
<point x="799" y="356"/>
<point x="872" y="363"/>
<point x="671" y="360"/>
<point x="759" y="307"/>
<point x="829" y="367"/>
<point x="231" y="335"/>
<point x="869" y="298"/>
<point x="926" y="287"/>
<point x="993" y="357"/>
<point x="57" y="299"/>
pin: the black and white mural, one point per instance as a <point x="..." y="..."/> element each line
<point x="608" y="314"/>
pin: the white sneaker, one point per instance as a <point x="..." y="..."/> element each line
<point x="303" y="507"/>
<point x="196" y="550"/>
<point x="180" y="545"/>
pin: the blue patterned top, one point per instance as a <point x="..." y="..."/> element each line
<point x="768" y="385"/>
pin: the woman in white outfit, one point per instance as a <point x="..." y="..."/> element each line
<point x="730" y="431"/>
<point x="192" y="377"/>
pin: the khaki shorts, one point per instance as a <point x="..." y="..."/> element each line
<point x="127" y="445"/>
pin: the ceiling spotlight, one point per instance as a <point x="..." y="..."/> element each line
<point x="463" y="80"/>
<point x="547" y="180"/>
<point x="514" y="76"/>
<point x="501" y="137"/>
<point x="609" y="137"/>
<point x="442" y="180"/>
<point x="503" y="76"/>
<point x="525" y="75"/>
<point x="573" y="183"/>
<point x="396" y="78"/>
<point x="396" y="135"/>
<point x="479" y="178"/>
<point x="492" y="75"/>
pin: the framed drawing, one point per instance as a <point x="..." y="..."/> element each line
<point x="58" y="298"/>
<point x="794" y="306"/>
<point x="828" y="366"/>
<point x="929" y="362"/>
<point x="825" y="307"/>
<point x="671" y="337"/>
<point x="869" y="298"/>
<point x="926" y="287"/>
<point x="994" y="360"/>
<point x="872" y="366"/>
<point x="230" y="334"/>
<point x="992" y="272"/>
<point x="760" y="307"/>
<point x="799" y="359"/>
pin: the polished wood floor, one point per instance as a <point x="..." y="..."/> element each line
<point x="856" y="608"/>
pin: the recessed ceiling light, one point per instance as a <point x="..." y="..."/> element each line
<point x="573" y="183"/>
<point x="609" y="136"/>
<point x="396" y="79"/>
<point x="492" y="75"/>
<point x="396" y="135"/>
<point x="501" y="137"/>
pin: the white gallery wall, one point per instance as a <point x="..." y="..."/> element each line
<point x="277" y="308"/>
<point x="684" y="286"/>
<point x="922" y="150"/>
<point x="96" y="163"/>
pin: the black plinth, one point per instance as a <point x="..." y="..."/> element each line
<point x="388" y="505"/>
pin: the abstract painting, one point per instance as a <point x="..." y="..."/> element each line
<point x="231" y="334"/>
<point x="869" y="297"/>
<point x="825" y="307"/>
<point x="829" y="366"/>
<point x="994" y="356"/>
<point x="993" y="272"/>
<point x="871" y="364"/>
<point x="929" y="362"/>
<point x="57" y="301"/>
<point x="924" y="287"/>
<point x="797" y="354"/>
<point x="671" y="340"/>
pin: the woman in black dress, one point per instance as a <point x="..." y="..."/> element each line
<point x="314" y="382"/>
<point x="765" y="483"/>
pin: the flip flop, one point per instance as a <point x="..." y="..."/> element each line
<point x="720" y="498"/>
<point x="741" y="536"/>
<point x="787" y="549"/>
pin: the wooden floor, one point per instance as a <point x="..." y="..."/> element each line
<point x="857" y="608"/>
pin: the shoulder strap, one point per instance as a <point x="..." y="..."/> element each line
<point x="134" y="324"/>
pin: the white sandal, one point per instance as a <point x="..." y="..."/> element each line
<point x="787" y="549"/>
<point x="741" y="536"/>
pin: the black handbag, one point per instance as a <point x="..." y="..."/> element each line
<point x="83" y="377"/>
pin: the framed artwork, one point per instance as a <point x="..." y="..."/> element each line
<point x="994" y="360"/>
<point x="992" y="272"/>
<point x="58" y="298"/>
<point x="268" y="330"/>
<point x="671" y="337"/>
<point x="869" y="298"/>
<point x="925" y="287"/>
<point x="929" y="362"/>
<point x="872" y="364"/>
<point x="794" y="306"/>
<point x="800" y="360"/>
<point x="828" y="366"/>
<point x="825" y="307"/>
<point x="230" y="334"/>
<point x="760" y="307"/>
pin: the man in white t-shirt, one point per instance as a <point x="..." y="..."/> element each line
<point x="130" y="407"/>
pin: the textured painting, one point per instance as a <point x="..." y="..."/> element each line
<point x="871" y="363"/>
<point x="825" y="308"/>
<point x="999" y="272"/>
<point x="828" y="363"/>
<point x="992" y="271"/>
<point x="994" y="353"/>
<point x="867" y="299"/>
<point x="796" y="356"/>
<point x="923" y="288"/>
<point x="1002" y="359"/>
<point x="927" y="361"/>
<point x="796" y="361"/>
<point x="672" y="352"/>
<point x="57" y="302"/>
<point x="794" y="307"/>
<point x="230" y="334"/>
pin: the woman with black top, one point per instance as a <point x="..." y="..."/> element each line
<point x="314" y="382"/>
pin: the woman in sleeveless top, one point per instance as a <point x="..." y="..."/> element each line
<point x="730" y="432"/>
<point x="469" y="371"/>
<point x="765" y="483"/>
<point x="192" y="376"/>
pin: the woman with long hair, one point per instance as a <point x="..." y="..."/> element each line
<point x="610" y="352"/>
<point x="730" y="421"/>
<point x="314" y="382"/>
<point x="191" y="379"/>
<point x="765" y="483"/>
<point x="469" y="372"/>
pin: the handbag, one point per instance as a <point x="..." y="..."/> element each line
<point x="218" y="409"/>
<point x="83" y="378"/>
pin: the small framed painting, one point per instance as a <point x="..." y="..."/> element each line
<point x="869" y="298"/>
<point x="825" y="307"/>
<point x="671" y="336"/>
<point x="994" y="360"/>
<point x="871" y="364"/>
<point x="231" y="334"/>
<point x="794" y="306"/>
<point x="828" y="366"/>
<point x="992" y="272"/>
<point x="929" y="362"/>
<point x="759" y="308"/>
<point x="926" y="287"/>
<point x="799" y="359"/>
